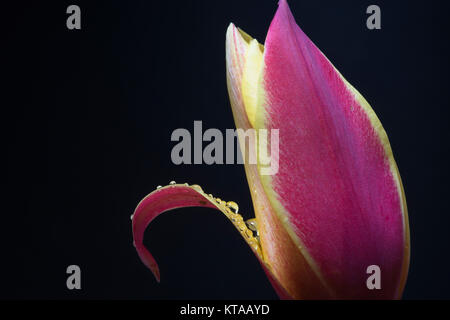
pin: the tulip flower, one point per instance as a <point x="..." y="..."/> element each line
<point x="336" y="206"/>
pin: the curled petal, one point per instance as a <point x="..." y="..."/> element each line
<point x="176" y="196"/>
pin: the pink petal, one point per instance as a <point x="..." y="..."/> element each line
<point x="179" y="196"/>
<point x="338" y="190"/>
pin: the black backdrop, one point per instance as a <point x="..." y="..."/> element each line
<point x="87" y="117"/>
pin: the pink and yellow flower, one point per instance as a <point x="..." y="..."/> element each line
<point x="336" y="204"/>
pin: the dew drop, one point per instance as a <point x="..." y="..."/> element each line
<point x="158" y="187"/>
<point x="238" y="217"/>
<point x="172" y="182"/>
<point x="233" y="206"/>
<point x="251" y="223"/>
<point x="131" y="217"/>
<point x="196" y="187"/>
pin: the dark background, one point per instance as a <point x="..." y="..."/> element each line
<point x="87" y="117"/>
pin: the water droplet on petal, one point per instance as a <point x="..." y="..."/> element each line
<point x="158" y="187"/>
<point x="172" y="182"/>
<point x="196" y="187"/>
<point x="251" y="223"/>
<point x="233" y="206"/>
<point x="237" y="217"/>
